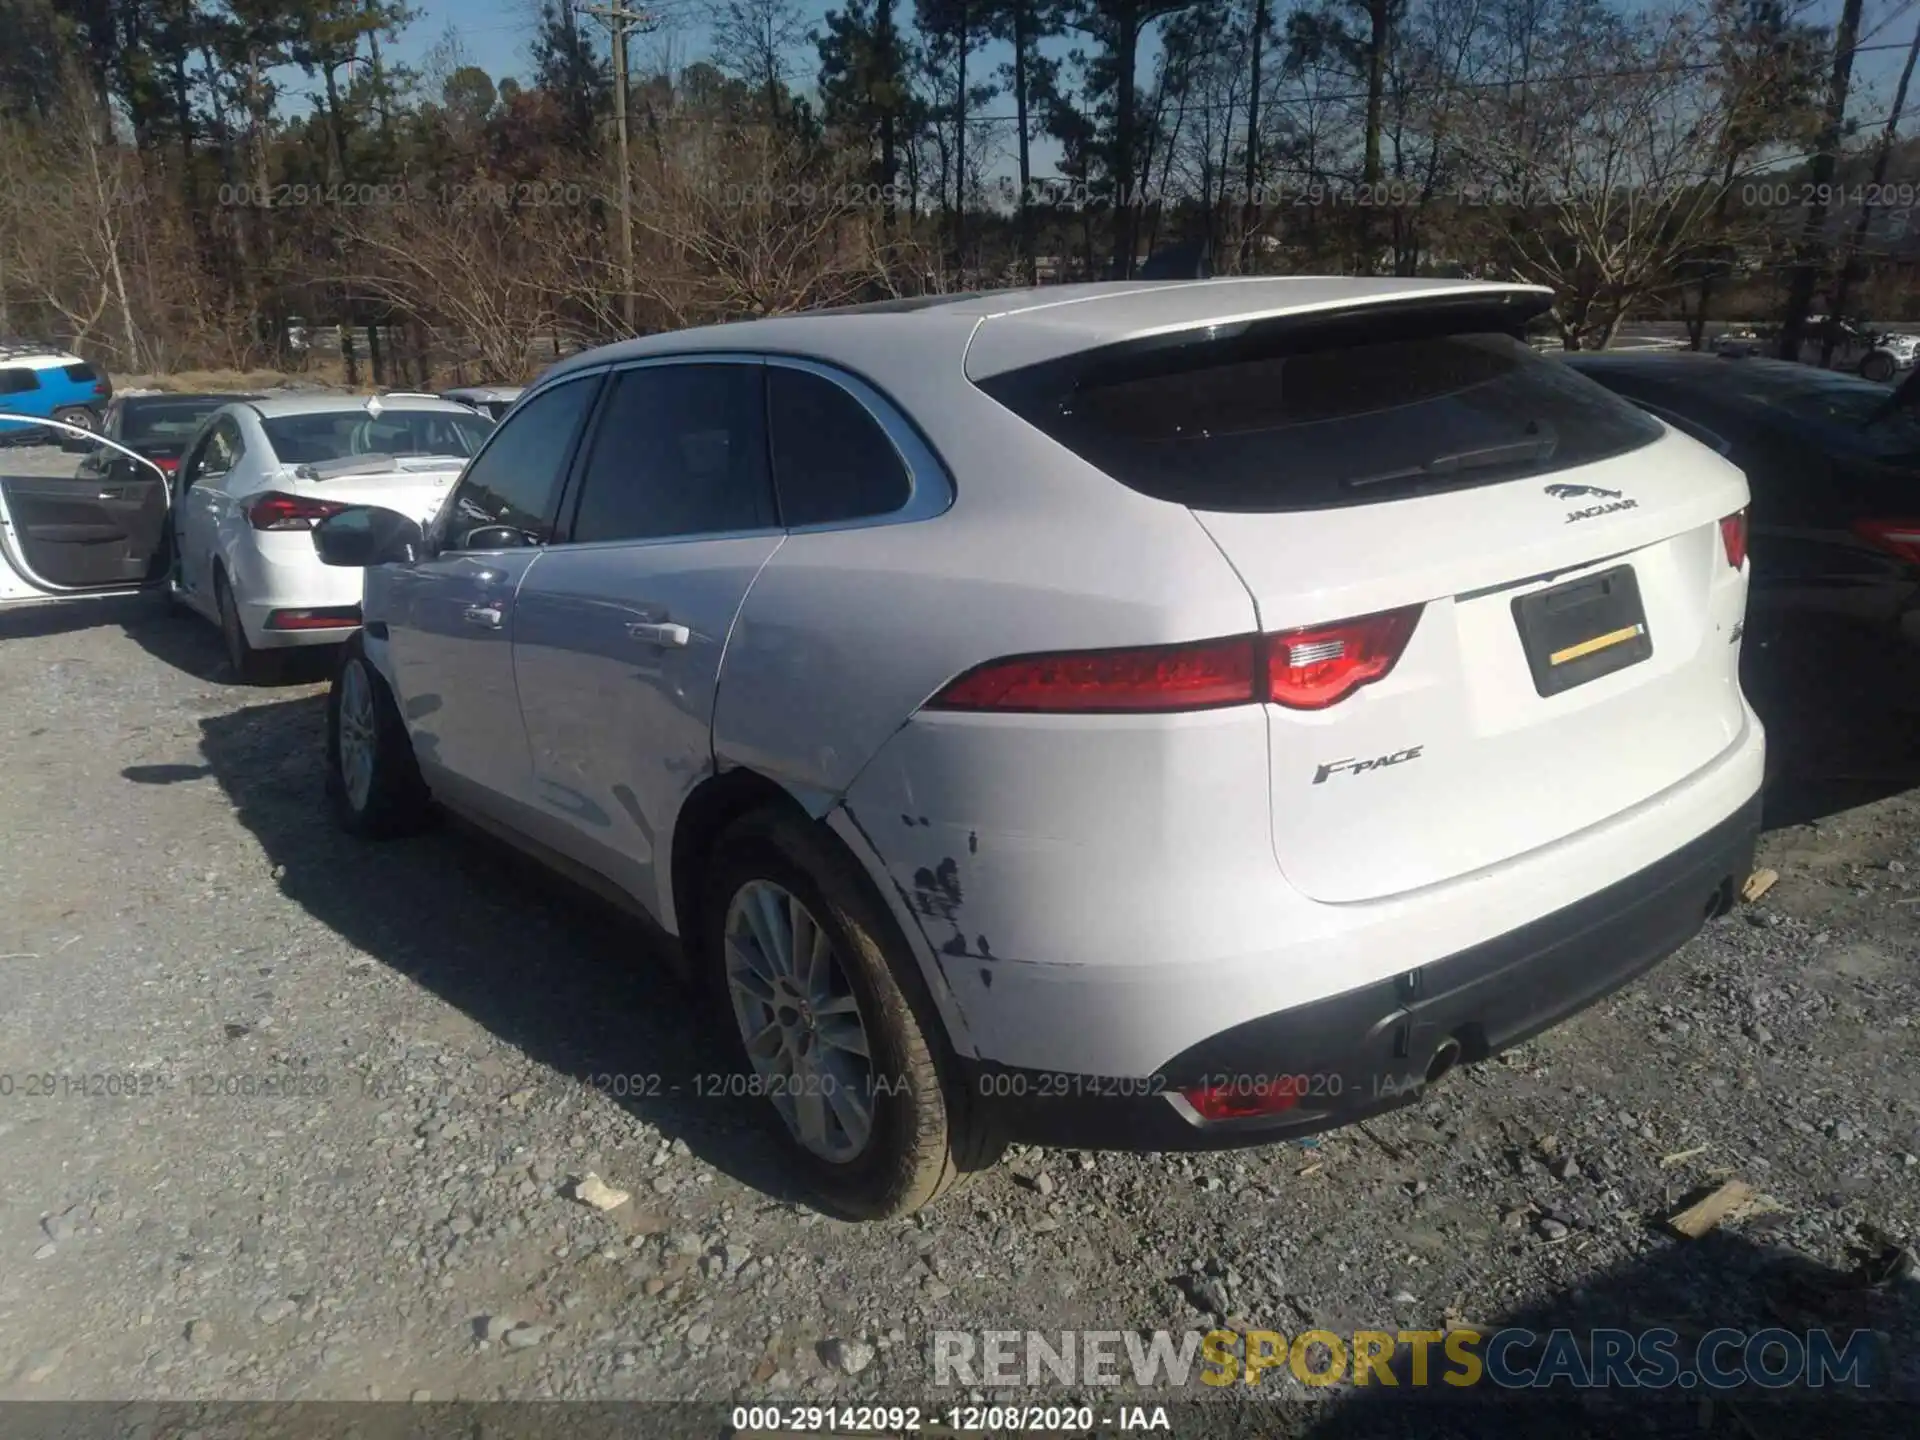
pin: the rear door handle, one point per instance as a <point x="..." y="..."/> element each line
<point x="487" y="615"/>
<point x="659" y="634"/>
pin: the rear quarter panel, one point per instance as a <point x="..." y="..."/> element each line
<point x="846" y="633"/>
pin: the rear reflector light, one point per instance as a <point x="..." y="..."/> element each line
<point x="1302" y="669"/>
<point x="1900" y="538"/>
<point x="169" y="466"/>
<point x="1733" y="538"/>
<point x="1319" y="666"/>
<point x="333" y="617"/>
<point x="274" y="511"/>
<point x="1239" y="1100"/>
<point x="1155" y="678"/>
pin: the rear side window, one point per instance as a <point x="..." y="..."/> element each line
<point x="1306" y="421"/>
<point x="18" y="381"/>
<point x="513" y="481"/>
<point x="81" y="372"/>
<point x="681" y="450"/>
<point x="831" y="459"/>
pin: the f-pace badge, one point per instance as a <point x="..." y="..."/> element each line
<point x="1357" y="767"/>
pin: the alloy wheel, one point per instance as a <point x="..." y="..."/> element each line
<point x="800" y="1021"/>
<point x="357" y="737"/>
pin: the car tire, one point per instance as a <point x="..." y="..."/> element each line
<point x="924" y="1135"/>
<point x="78" y="415"/>
<point x="253" y="667"/>
<point x="1878" y="367"/>
<point x="374" y="789"/>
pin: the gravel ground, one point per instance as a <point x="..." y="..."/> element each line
<point x="317" y="1107"/>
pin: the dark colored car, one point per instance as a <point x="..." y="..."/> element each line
<point x="1834" y="470"/>
<point x="157" y="426"/>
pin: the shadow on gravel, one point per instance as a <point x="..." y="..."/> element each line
<point x="1691" y="1288"/>
<point x="1841" y="704"/>
<point x="169" y="634"/>
<point x="547" y="968"/>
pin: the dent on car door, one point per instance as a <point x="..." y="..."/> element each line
<point x="87" y="529"/>
<point x="620" y="629"/>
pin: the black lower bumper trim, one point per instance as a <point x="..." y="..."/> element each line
<point x="1369" y="1050"/>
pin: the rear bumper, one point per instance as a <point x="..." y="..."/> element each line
<point x="282" y="573"/>
<point x="1369" y="1049"/>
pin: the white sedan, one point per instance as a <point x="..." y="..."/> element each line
<point x="262" y="473"/>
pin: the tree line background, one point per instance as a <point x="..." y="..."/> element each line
<point x="170" y="201"/>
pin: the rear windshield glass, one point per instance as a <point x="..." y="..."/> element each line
<point x="1315" y="426"/>
<point x="336" y="435"/>
<point x="166" y="424"/>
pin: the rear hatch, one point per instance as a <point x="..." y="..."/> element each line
<point x="1539" y="570"/>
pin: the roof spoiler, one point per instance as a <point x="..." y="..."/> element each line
<point x="1336" y="326"/>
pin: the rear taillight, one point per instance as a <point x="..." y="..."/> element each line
<point x="274" y="511"/>
<point x="168" y="466"/>
<point x="1319" y="666"/>
<point x="1733" y="537"/>
<point x="1301" y="669"/>
<point x="1245" y="1097"/>
<point x="1159" y="677"/>
<point x="1899" y="538"/>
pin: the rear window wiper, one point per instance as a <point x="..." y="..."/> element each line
<point x="1457" y="462"/>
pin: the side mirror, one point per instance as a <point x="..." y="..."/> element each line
<point x="364" y="535"/>
<point x="493" y="537"/>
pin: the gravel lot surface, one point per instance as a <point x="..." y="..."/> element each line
<point x="317" y="1107"/>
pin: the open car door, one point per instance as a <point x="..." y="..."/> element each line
<point x="67" y="535"/>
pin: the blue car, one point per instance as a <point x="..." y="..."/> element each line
<point x="35" y="380"/>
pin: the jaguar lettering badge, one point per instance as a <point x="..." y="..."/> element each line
<point x="1355" y="767"/>
<point x="1611" y="500"/>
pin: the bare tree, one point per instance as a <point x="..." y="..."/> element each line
<point x="1608" y="180"/>
<point x="69" y="195"/>
<point x="755" y="39"/>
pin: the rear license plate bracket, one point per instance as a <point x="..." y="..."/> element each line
<point x="1586" y="628"/>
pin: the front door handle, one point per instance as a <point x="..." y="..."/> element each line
<point x="487" y="615"/>
<point x="659" y="634"/>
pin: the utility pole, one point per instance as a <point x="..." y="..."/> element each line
<point x="1851" y="270"/>
<point x="621" y="22"/>
<point x="1811" y="252"/>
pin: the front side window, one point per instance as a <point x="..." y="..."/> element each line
<point x="18" y="381"/>
<point x="213" y="455"/>
<point x="680" y="450"/>
<point x="515" y="479"/>
<point x="831" y="460"/>
<point x="223" y="447"/>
